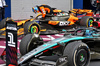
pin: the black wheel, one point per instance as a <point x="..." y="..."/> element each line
<point x="31" y="27"/>
<point x="78" y="54"/>
<point x="3" y="23"/>
<point x="87" y="21"/>
<point x="29" y="42"/>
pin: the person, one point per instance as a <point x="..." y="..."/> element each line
<point x="98" y="7"/>
<point x="2" y="9"/>
<point x="44" y="9"/>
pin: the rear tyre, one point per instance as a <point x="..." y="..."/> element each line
<point x="3" y="23"/>
<point x="29" y="42"/>
<point x="87" y="21"/>
<point x="31" y="27"/>
<point x="78" y="54"/>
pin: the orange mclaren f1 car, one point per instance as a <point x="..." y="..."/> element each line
<point x="60" y="20"/>
<point x="52" y="23"/>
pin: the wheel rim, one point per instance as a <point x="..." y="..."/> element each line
<point x="35" y="29"/>
<point x="32" y="45"/>
<point x="90" y="22"/>
<point x="81" y="57"/>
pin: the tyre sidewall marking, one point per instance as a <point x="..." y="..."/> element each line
<point x="87" y="24"/>
<point x="37" y="27"/>
<point x="34" y="29"/>
<point x="75" y="52"/>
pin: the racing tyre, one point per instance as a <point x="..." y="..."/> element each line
<point x="31" y="27"/>
<point x="78" y="54"/>
<point x="29" y="42"/>
<point x="87" y="21"/>
<point x="3" y="23"/>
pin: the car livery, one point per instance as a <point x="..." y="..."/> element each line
<point x="80" y="56"/>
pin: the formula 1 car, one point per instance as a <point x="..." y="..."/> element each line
<point x="62" y="20"/>
<point x="71" y="50"/>
<point x="20" y="26"/>
<point x="52" y="24"/>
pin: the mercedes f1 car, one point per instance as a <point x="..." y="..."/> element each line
<point x="71" y="50"/>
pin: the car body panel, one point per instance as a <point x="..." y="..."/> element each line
<point x="50" y="44"/>
<point x="71" y="20"/>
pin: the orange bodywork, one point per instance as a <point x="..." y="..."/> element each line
<point x="89" y="13"/>
<point x="72" y="19"/>
<point x="55" y="11"/>
<point x="80" y="11"/>
<point x="23" y="22"/>
<point x="20" y="23"/>
<point x="53" y="22"/>
<point x="21" y="30"/>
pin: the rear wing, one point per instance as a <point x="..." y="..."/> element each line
<point x="82" y="11"/>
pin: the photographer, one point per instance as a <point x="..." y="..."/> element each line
<point x="98" y="7"/>
<point x="2" y="9"/>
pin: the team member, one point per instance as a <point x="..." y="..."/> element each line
<point x="44" y="9"/>
<point x="98" y="7"/>
<point x="2" y="9"/>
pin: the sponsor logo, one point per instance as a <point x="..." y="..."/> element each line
<point x="62" y="61"/>
<point x="11" y="28"/>
<point x="64" y="23"/>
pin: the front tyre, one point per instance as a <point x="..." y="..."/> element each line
<point x="29" y="42"/>
<point x="78" y="54"/>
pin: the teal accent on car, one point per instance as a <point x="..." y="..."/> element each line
<point x="67" y="40"/>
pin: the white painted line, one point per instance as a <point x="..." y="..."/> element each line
<point x="59" y="35"/>
<point x="4" y="41"/>
<point x="5" y="47"/>
<point x="2" y="46"/>
<point x="19" y="40"/>
<point x="46" y="39"/>
<point x="2" y="64"/>
<point x="52" y="38"/>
